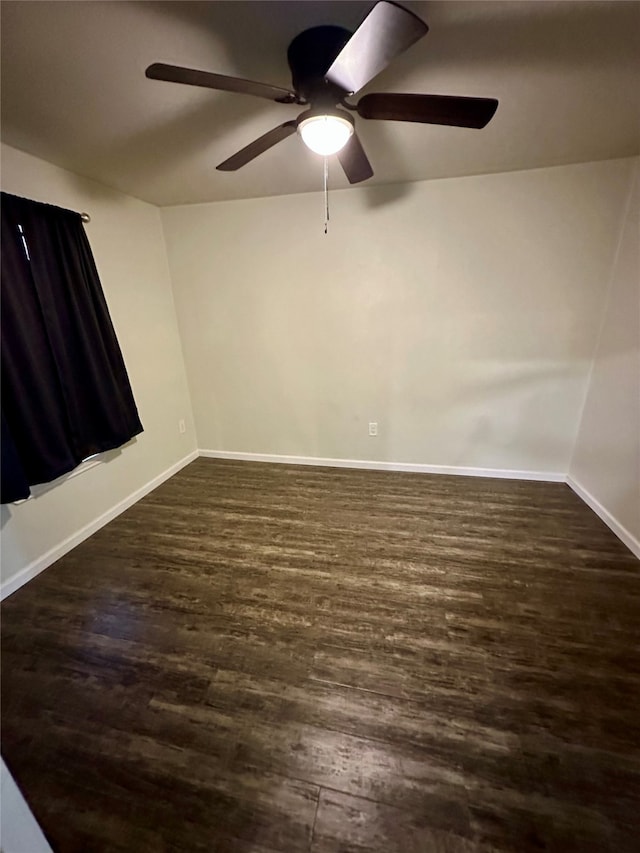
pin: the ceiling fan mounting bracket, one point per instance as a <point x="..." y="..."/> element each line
<point x="289" y="99"/>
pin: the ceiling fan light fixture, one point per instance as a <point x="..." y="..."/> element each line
<point x="326" y="133"/>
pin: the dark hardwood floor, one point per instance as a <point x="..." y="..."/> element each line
<point x="261" y="658"/>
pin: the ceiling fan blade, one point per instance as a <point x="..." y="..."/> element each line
<point x="429" y="109"/>
<point x="258" y="146"/>
<point x="387" y="31"/>
<point x="354" y="161"/>
<point x="177" y="74"/>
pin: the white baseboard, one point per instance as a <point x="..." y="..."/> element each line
<point x="19" y="830"/>
<point x="34" y="568"/>
<point x="415" y="467"/>
<point x="621" y="532"/>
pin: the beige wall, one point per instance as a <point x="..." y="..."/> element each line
<point x="461" y="315"/>
<point x="606" y="461"/>
<point x="127" y="242"/>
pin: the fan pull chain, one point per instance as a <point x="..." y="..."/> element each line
<point x="326" y="194"/>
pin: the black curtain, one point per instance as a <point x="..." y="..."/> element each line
<point x="65" y="390"/>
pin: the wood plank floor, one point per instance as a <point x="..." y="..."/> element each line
<point x="276" y="659"/>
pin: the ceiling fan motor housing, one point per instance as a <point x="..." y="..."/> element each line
<point x="310" y="55"/>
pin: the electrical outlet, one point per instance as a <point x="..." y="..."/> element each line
<point x="373" y="428"/>
<point x="182" y="427"/>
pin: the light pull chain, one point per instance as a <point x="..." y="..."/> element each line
<point x="326" y="194"/>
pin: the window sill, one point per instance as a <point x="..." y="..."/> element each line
<point x="86" y="465"/>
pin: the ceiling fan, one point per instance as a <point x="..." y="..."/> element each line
<point x="328" y="64"/>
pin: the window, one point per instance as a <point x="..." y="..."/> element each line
<point x="65" y="390"/>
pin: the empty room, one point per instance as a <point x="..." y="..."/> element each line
<point x="320" y="514"/>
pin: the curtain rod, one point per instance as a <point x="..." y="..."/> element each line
<point x="85" y="217"/>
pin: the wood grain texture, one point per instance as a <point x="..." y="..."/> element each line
<point x="278" y="659"/>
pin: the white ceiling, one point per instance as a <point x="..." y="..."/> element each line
<point x="567" y="75"/>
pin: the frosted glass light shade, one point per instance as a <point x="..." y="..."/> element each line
<point x="325" y="134"/>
